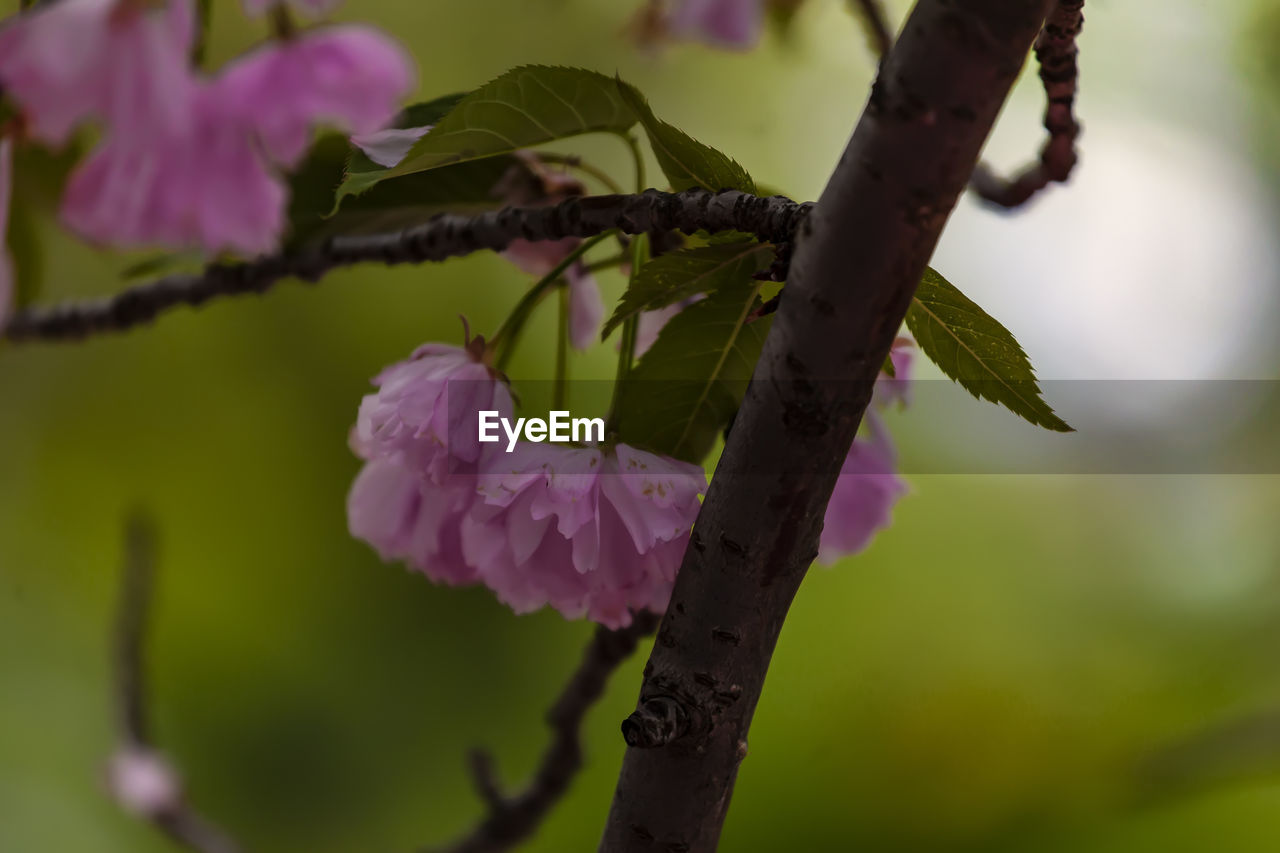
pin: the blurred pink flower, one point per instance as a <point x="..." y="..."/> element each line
<point x="720" y="23"/>
<point x="208" y="182"/>
<point x="143" y="782"/>
<point x="349" y="77"/>
<point x="124" y="62"/>
<point x="594" y="532"/>
<point x="6" y="263"/>
<point x="204" y="187"/>
<point x="314" y="8"/>
<point x="868" y="486"/>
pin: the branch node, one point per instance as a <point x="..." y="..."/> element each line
<point x="658" y="721"/>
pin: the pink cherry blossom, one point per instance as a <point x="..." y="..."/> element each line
<point x="407" y="515"/>
<point x="124" y="62"/>
<point x="425" y="411"/>
<point x="720" y="23"/>
<point x="209" y="182"/>
<point x="350" y="77"/>
<point x="206" y="186"/>
<point x="586" y="306"/>
<point x="314" y="8"/>
<point x="868" y="486"/>
<point x="594" y="532"/>
<point x="6" y="263"/>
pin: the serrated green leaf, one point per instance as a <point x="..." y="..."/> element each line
<point x="972" y="348"/>
<point x="685" y="161"/>
<point x="678" y="275"/>
<point x="526" y="106"/>
<point x="691" y="381"/>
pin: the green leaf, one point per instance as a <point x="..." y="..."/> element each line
<point x="678" y="275"/>
<point x="972" y="348"/>
<point x="691" y="381"/>
<point x="526" y="106"/>
<point x="685" y="161"/>
<point x="403" y="203"/>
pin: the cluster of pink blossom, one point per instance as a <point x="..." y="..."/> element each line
<point x="595" y="531"/>
<point x="188" y="160"/>
<point x="6" y="264"/>
<point x="592" y="531"/>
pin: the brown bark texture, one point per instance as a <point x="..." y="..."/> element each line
<point x="858" y="257"/>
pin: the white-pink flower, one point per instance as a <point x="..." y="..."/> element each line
<point x="592" y="532"/>
<point x="123" y="62"/>
<point x="868" y="487"/>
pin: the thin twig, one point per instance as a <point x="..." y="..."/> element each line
<point x="1056" y="53"/>
<point x="138" y="776"/>
<point x="772" y="219"/>
<point x="871" y="13"/>
<point x="511" y="819"/>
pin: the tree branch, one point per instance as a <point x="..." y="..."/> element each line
<point x="858" y="258"/>
<point x="139" y="777"/>
<point x="1056" y="52"/>
<point x="871" y="13"/>
<point x="513" y="819"/>
<point x="446" y="236"/>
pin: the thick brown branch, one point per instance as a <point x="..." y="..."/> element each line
<point x="513" y="819"/>
<point x="138" y="776"/>
<point x="1056" y="52"/>
<point x="858" y="258"/>
<point x="446" y="236"/>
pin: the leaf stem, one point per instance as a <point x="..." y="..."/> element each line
<point x="637" y="157"/>
<point x="573" y="161"/>
<point x="509" y="332"/>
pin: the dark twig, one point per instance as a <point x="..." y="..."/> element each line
<point x="512" y="819"/>
<point x="1056" y="53"/>
<point x="871" y="13"/>
<point x="773" y="219"/>
<point x="138" y="776"/>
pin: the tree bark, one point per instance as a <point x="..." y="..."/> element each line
<point x="858" y="258"/>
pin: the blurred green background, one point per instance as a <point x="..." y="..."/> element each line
<point x="1019" y="663"/>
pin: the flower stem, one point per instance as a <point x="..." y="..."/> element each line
<point x="575" y="162"/>
<point x="560" y="393"/>
<point x="637" y="156"/>
<point x="509" y="332"/>
<point x="627" y="346"/>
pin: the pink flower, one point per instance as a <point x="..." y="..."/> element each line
<point x="868" y="486"/>
<point x="586" y="307"/>
<point x="204" y="187"/>
<point x="419" y="436"/>
<point x="350" y="77"/>
<point x="406" y="515"/>
<point x="314" y="8"/>
<point x="208" y="182"/>
<point x="6" y="263"/>
<point x="425" y="410"/>
<point x="121" y="61"/>
<point x="591" y="532"/>
<point x="143" y="782"/>
<point x="720" y="23"/>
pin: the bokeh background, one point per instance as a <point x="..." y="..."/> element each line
<point x="1047" y="663"/>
